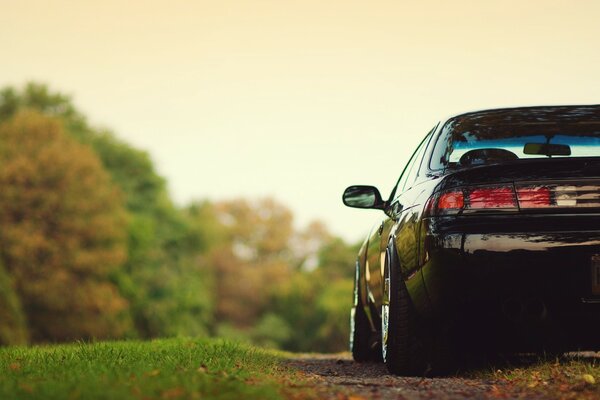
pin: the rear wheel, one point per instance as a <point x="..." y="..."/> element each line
<point x="407" y="348"/>
<point x="402" y="352"/>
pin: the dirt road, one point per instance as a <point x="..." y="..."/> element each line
<point x="339" y="374"/>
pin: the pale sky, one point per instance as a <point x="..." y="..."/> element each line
<point x="297" y="99"/>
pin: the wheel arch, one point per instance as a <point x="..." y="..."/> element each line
<point x="413" y="281"/>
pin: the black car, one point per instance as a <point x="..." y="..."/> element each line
<point x="490" y="242"/>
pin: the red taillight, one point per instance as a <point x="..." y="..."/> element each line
<point x="478" y="198"/>
<point x="451" y="201"/>
<point x="494" y="197"/>
<point x="534" y="197"/>
<point x="506" y="197"/>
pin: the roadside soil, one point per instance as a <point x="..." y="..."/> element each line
<point x="338" y="377"/>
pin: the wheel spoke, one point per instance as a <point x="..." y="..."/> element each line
<point x="384" y="330"/>
<point x="385" y="314"/>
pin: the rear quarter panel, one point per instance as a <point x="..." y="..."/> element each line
<point x="406" y="236"/>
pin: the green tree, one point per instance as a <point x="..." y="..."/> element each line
<point x="318" y="297"/>
<point x="333" y="309"/>
<point x="13" y="329"/>
<point x="63" y="231"/>
<point x="161" y="273"/>
<point x="237" y="268"/>
<point x="337" y="258"/>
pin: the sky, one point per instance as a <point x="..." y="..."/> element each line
<point x="297" y="99"/>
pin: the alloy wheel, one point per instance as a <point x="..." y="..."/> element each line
<point x="385" y="308"/>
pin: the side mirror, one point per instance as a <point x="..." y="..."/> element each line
<point x="360" y="196"/>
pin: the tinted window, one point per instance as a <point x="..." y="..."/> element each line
<point x="411" y="168"/>
<point x="405" y="172"/>
<point x="411" y="174"/>
<point x="500" y="136"/>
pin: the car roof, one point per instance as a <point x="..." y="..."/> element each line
<point x="528" y="115"/>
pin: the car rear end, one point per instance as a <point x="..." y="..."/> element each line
<point x="511" y="254"/>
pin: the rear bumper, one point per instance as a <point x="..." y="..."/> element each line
<point x="516" y="290"/>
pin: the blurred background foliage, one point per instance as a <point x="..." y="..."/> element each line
<point x="93" y="247"/>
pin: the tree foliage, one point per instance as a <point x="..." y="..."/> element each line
<point x="160" y="267"/>
<point x="13" y="328"/>
<point x="277" y="286"/>
<point x="252" y="260"/>
<point x="62" y="231"/>
<point x="93" y="246"/>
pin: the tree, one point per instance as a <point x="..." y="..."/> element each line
<point x="13" y="329"/>
<point x="277" y="286"/>
<point x="160" y="278"/>
<point x="252" y="260"/>
<point x="337" y="259"/>
<point x="63" y="231"/>
<point x="91" y="241"/>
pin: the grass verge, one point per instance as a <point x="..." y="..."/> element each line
<point x="159" y="369"/>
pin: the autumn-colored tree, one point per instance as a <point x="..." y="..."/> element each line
<point x="277" y="286"/>
<point x="161" y="278"/>
<point x="63" y="231"/>
<point x="264" y="225"/>
<point x="252" y="260"/>
<point x="237" y="267"/>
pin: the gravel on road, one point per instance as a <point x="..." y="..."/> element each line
<point x="341" y="378"/>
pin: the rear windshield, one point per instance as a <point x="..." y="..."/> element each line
<point x="483" y="139"/>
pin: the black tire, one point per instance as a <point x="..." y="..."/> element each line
<point x="363" y="341"/>
<point x="402" y="351"/>
<point x="360" y="333"/>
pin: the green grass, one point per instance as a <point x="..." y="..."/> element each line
<point x="159" y="369"/>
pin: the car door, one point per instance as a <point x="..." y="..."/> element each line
<point x="405" y="232"/>
<point x="378" y="239"/>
